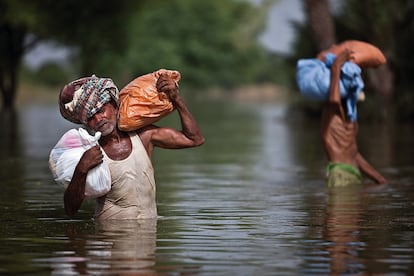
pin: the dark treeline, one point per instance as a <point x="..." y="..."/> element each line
<point x="212" y="43"/>
<point x="387" y="24"/>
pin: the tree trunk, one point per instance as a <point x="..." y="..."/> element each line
<point x="382" y="81"/>
<point x="12" y="49"/>
<point x="321" y="23"/>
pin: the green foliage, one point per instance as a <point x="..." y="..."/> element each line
<point x="50" y="74"/>
<point x="212" y="43"/>
<point x="390" y="26"/>
<point x="202" y="39"/>
<point x="386" y="24"/>
<point x="94" y="27"/>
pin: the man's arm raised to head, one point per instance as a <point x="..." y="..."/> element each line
<point x="334" y="90"/>
<point x="190" y="134"/>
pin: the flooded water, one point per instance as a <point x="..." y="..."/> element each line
<point x="251" y="201"/>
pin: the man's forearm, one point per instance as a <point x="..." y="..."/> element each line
<point x="334" y="92"/>
<point x="370" y="171"/>
<point x="75" y="193"/>
<point x="189" y="125"/>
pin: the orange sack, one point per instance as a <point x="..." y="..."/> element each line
<point x="364" y="54"/>
<point x="140" y="103"/>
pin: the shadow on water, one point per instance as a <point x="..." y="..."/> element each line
<point x="113" y="247"/>
<point x="251" y="201"/>
<point x="11" y="162"/>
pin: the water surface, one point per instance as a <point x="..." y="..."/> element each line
<point x="251" y="201"/>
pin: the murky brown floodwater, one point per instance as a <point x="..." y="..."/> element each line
<point x="251" y="201"/>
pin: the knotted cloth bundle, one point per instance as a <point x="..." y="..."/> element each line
<point x="65" y="156"/>
<point x="82" y="98"/>
<point x="313" y="75"/>
<point x="313" y="78"/>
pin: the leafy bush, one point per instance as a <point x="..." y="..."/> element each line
<point x="51" y="74"/>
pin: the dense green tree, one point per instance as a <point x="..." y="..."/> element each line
<point x="387" y="24"/>
<point x="13" y="32"/>
<point x="93" y="27"/>
<point x="209" y="42"/>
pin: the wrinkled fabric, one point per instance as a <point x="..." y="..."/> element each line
<point x="140" y="103"/>
<point x="341" y="175"/>
<point x="133" y="191"/>
<point x="93" y="93"/>
<point x="313" y="79"/>
<point x="65" y="156"/>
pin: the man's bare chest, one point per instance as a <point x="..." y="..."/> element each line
<point x="119" y="150"/>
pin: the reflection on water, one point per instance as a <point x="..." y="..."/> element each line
<point x="251" y="201"/>
<point x="116" y="247"/>
<point x="342" y="229"/>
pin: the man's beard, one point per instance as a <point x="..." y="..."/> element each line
<point x="105" y="127"/>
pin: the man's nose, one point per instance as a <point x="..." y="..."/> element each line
<point x="97" y="117"/>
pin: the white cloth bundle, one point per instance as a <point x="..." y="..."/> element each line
<point x="66" y="154"/>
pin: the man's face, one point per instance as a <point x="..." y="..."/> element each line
<point x="104" y="120"/>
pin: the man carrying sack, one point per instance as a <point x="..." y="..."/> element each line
<point x="93" y="102"/>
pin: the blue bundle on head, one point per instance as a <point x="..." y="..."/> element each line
<point x="313" y="79"/>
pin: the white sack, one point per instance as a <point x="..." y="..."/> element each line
<point x="66" y="155"/>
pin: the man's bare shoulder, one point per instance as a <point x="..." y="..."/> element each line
<point x="146" y="131"/>
<point x="332" y="110"/>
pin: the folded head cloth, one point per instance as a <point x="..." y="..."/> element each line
<point x="81" y="99"/>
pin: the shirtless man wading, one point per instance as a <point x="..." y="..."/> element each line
<point x="339" y="137"/>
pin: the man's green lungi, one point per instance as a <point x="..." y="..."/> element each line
<point x="341" y="174"/>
